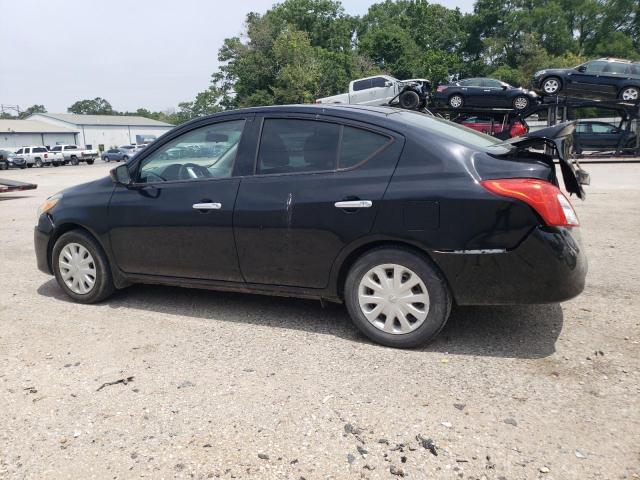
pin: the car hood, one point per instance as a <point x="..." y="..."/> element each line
<point x="89" y="187"/>
<point x="559" y="137"/>
<point x="547" y="71"/>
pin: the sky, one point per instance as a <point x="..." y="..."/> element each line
<point x="134" y="53"/>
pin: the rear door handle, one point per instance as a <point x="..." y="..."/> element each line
<point x="207" y="206"/>
<point x="354" y="204"/>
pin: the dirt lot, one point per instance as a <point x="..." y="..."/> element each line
<point x="240" y="386"/>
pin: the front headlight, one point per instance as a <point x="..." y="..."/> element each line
<point x="539" y="72"/>
<point x="49" y="203"/>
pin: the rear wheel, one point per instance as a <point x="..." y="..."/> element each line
<point x="74" y="160"/>
<point x="38" y="163"/>
<point x="4" y="166"/>
<point x="630" y="94"/>
<point x="409" y="100"/>
<point x="29" y="165"/>
<point x="81" y="268"/>
<point x="551" y="85"/>
<point x="397" y="298"/>
<point x="89" y="162"/>
<point x="456" y="101"/>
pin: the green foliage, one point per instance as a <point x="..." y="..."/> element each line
<point x="31" y="110"/>
<point x="97" y="106"/>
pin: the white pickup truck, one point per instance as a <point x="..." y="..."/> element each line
<point x="75" y="155"/>
<point x="39" y="156"/>
<point x="411" y="94"/>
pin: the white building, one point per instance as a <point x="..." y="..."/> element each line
<point x="107" y="131"/>
<point x="19" y="133"/>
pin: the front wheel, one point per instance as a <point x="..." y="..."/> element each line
<point x="397" y="298"/>
<point x="105" y="158"/>
<point x="29" y="165"/>
<point x="409" y="100"/>
<point x="630" y="94"/>
<point x="81" y="268"/>
<point x="456" y="101"/>
<point x="125" y="159"/>
<point x="4" y="166"/>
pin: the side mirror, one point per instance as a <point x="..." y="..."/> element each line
<point x="388" y="84"/>
<point x="121" y="176"/>
<point x="582" y="68"/>
<point x="504" y="87"/>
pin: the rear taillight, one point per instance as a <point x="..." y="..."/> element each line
<point x="544" y="197"/>
<point x="46" y="155"/>
<point x="441" y="88"/>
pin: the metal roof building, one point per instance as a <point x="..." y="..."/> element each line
<point x="19" y="133"/>
<point x="106" y="131"/>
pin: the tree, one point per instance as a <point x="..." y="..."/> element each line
<point x="31" y="110"/>
<point x="97" y="106"/>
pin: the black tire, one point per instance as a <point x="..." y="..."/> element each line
<point x="103" y="286"/>
<point x="4" y="166"/>
<point x="125" y="158"/>
<point x="23" y="167"/>
<point x="106" y="158"/>
<point x="74" y="160"/>
<point x="547" y="86"/>
<point x="29" y="165"/>
<point x="521" y="102"/>
<point x="38" y="163"/>
<point x="456" y="101"/>
<point x="409" y="100"/>
<point x="89" y="162"/>
<point x="439" y="296"/>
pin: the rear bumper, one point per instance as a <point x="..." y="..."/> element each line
<point x="549" y="266"/>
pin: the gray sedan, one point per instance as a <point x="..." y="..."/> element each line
<point x="117" y="154"/>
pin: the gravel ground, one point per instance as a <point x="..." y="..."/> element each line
<point x="240" y="386"/>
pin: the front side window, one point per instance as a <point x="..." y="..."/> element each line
<point x="204" y="153"/>
<point x="378" y="82"/>
<point x="19" y="151"/>
<point x="489" y="82"/>
<point x="601" y="128"/>
<point x="361" y="85"/>
<point x="582" y="128"/>
<point x="595" y="67"/>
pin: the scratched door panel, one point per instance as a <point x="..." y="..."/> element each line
<point x="288" y="230"/>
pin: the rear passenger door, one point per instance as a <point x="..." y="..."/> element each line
<point x="316" y="187"/>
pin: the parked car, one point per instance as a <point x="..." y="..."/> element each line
<point x="410" y="94"/>
<point x="11" y="160"/>
<point x="118" y="154"/>
<point x="594" y="135"/>
<point x="74" y="154"/>
<point x="396" y="213"/>
<point x="484" y="92"/>
<point x="39" y="156"/>
<point x="605" y="78"/>
<point x="499" y="126"/>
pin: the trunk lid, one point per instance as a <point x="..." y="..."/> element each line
<point x="559" y="138"/>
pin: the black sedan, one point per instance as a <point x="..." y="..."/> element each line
<point x="605" y="78"/>
<point x="601" y="136"/>
<point x="398" y="214"/>
<point x="484" y="92"/>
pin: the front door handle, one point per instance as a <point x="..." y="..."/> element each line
<point x="207" y="206"/>
<point x="354" y="204"/>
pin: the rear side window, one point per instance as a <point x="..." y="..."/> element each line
<point x="291" y="145"/>
<point x="71" y="147"/>
<point x="615" y="67"/>
<point x="56" y="149"/>
<point x="361" y="85"/>
<point x="359" y="145"/>
<point x="39" y="150"/>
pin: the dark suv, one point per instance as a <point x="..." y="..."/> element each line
<point x="605" y="78"/>
<point x="396" y="213"/>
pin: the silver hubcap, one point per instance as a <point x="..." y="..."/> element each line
<point x="521" y="103"/>
<point x="77" y="268"/>
<point x="630" y="94"/>
<point x="551" y="86"/>
<point x="393" y="299"/>
<point x="455" y="101"/>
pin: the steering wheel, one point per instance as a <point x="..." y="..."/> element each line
<point x="189" y="171"/>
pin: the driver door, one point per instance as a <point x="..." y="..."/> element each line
<point x="176" y="220"/>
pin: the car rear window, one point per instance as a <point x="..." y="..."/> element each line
<point x="453" y="131"/>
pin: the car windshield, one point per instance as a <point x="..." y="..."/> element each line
<point x="455" y="132"/>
